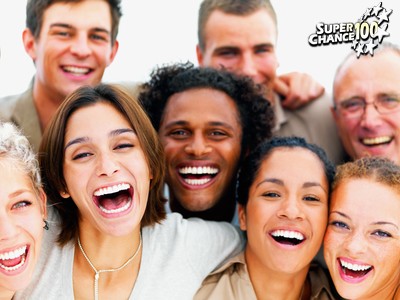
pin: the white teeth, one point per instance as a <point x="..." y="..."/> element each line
<point x="111" y="189"/>
<point x="14" y="267"/>
<point x="118" y="210"/>
<point x="288" y="234"/>
<point x="354" y="267"/>
<point x="198" y="170"/>
<point x="76" y="70"/>
<point x="13" y="254"/>
<point x="376" y="140"/>
<point x="197" y="181"/>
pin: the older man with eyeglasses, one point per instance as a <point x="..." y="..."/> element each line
<point x="366" y="108"/>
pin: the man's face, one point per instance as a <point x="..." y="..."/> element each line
<point x="74" y="46"/>
<point x="201" y="133"/>
<point x="369" y="79"/>
<point x="242" y="44"/>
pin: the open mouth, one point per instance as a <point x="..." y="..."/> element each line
<point x="354" y="270"/>
<point x="114" y="199"/>
<point x="77" y="71"/>
<point x="287" y="237"/>
<point x="13" y="260"/>
<point x="198" y="175"/>
<point x="376" y="141"/>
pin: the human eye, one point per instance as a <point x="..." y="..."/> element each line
<point x="388" y="101"/>
<point x="179" y="133"/>
<point x="311" y="198"/>
<point x="227" y="52"/>
<point x="339" y="224"/>
<point x="352" y="105"/>
<point x="99" y="37"/>
<point x="271" y="194"/>
<point x="381" y="233"/>
<point x="124" y="146"/>
<point x="22" y="204"/>
<point x="81" y="155"/>
<point x="263" y="49"/>
<point x="218" y="134"/>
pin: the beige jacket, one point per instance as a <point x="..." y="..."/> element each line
<point x="232" y="282"/>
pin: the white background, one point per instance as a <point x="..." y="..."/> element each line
<point x="157" y="32"/>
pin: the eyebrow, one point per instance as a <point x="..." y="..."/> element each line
<point x="112" y="133"/>
<point x="185" y="123"/>
<point x="68" y="26"/>
<point x="280" y="182"/>
<point x="19" y="192"/>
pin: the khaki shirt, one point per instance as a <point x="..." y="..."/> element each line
<point x="232" y="282"/>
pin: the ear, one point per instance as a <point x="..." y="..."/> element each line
<point x="43" y="202"/>
<point x="29" y="43"/>
<point x="199" y="55"/>
<point x="242" y="217"/>
<point x="114" y="51"/>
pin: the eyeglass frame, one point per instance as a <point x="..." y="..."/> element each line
<point x="361" y="110"/>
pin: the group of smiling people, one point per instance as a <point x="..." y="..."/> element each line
<point x="92" y="223"/>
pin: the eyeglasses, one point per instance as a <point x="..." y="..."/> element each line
<point x="355" y="107"/>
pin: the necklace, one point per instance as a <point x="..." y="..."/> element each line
<point x="98" y="272"/>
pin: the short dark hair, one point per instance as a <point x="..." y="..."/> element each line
<point x="256" y="113"/>
<point x="51" y="154"/>
<point x="252" y="164"/>
<point x="233" y="7"/>
<point x="35" y="10"/>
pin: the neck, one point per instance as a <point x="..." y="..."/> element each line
<point x="223" y="210"/>
<point x="6" y="294"/>
<point x="281" y="286"/>
<point x="46" y="103"/>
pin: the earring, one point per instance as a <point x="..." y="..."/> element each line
<point x="46" y="225"/>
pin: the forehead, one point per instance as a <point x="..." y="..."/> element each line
<point x="203" y="105"/>
<point x="230" y="29"/>
<point x="87" y="14"/>
<point x="369" y="75"/>
<point x="379" y="200"/>
<point x="297" y="162"/>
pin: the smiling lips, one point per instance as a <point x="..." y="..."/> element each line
<point x="13" y="260"/>
<point x="193" y="175"/>
<point x="114" y="199"/>
<point x="78" y="71"/>
<point x="376" y="141"/>
<point x="353" y="272"/>
<point x="288" y="237"/>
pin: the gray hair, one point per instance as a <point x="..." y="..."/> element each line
<point x="14" y="146"/>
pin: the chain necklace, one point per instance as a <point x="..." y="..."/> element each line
<point x="97" y="272"/>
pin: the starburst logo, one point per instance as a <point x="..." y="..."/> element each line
<point x="365" y="35"/>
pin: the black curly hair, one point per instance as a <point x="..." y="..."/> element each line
<point x="256" y="113"/>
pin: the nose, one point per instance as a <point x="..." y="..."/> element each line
<point x="291" y="208"/>
<point x="107" y="165"/>
<point x="248" y="67"/>
<point x="371" y="117"/>
<point x="355" y="243"/>
<point x="198" y="146"/>
<point x="80" y="46"/>
<point x="7" y="228"/>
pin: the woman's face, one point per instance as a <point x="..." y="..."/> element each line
<point x="286" y="214"/>
<point x="105" y="170"/>
<point x="21" y="226"/>
<point x="362" y="242"/>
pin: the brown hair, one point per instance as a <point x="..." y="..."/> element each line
<point x="233" y="7"/>
<point x="35" y="10"/>
<point x="381" y="170"/>
<point x="51" y="154"/>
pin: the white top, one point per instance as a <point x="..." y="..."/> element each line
<point x="177" y="255"/>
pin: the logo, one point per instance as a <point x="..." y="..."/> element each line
<point x="365" y="35"/>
